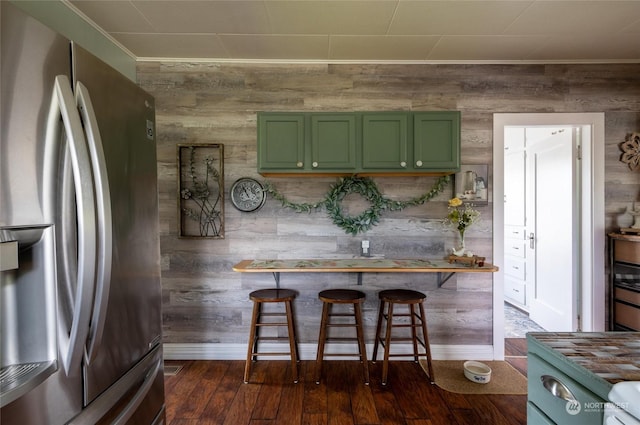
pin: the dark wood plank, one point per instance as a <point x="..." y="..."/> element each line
<point x="213" y="393"/>
<point x="512" y="407"/>
<point x="219" y="404"/>
<point x="338" y="398"/>
<point x="183" y="386"/>
<point x="269" y="398"/>
<point x="515" y="346"/>
<point x="292" y="400"/>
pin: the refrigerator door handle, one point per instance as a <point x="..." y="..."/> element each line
<point x="104" y="222"/>
<point x="72" y="336"/>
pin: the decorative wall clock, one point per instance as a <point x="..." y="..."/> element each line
<point x="247" y="194"/>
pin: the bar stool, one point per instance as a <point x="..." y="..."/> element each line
<point x="259" y="298"/>
<point x="388" y="299"/>
<point x="341" y="296"/>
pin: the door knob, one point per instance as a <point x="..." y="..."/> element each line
<point x="532" y="240"/>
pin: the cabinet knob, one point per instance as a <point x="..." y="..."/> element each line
<point x="403" y="164"/>
<point x="299" y="164"/>
<point x="418" y="163"/>
<point x="314" y="164"/>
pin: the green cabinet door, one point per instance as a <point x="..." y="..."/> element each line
<point x="385" y="141"/>
<point x="436" y="141"/>
<point x="281" y="142"/>
<point x="333" y="142"/>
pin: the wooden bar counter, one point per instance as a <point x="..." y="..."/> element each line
<point x="362" y="265"/>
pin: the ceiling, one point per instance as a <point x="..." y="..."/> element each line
<point x="397" y="31"/>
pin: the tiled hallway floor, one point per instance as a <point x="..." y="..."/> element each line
<point x="517" y="323"/>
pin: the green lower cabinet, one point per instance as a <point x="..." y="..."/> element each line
<point x="281" y="142"/>
<point x="564" y="382"/>
<point x="436" y="141"/>
<point x="333" y="142"/>
<point x="385" y="141"/>
<point x="536" y="417"/>
<point x="558" y="397"/>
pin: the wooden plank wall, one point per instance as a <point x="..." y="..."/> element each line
<point x="206" y="302"/>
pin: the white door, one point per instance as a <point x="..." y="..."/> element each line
<point x="552" y="226"/>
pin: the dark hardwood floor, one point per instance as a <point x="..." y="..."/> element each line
<point x="212" y="392"/>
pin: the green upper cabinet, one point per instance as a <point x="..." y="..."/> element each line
<point x="436" y="140"/>
<point x="333" y="142"/>
<point x="281" y="141"/>
<point x="385" y="141"/>
<point x="358" y="143"/>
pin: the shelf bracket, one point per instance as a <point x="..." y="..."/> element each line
<point x="442" y="280"/>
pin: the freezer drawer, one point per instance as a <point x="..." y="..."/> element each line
<point x="136" y="398"/>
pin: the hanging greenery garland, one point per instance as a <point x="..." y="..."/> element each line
<point x="365" y="187"/>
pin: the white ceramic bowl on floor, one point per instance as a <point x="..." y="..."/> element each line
<point x="477" y="372"/>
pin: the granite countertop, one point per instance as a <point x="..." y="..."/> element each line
<point x="611" y="356"/>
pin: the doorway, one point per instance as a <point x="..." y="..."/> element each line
<point x="587" y="242"/>
<point x="541" y="217"/>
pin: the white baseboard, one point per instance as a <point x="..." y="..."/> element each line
<point x="308" y="351"/>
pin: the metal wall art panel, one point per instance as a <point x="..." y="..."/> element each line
<point x="201" y="191"/>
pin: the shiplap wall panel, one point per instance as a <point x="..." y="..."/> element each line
<point x="206" y="302"/>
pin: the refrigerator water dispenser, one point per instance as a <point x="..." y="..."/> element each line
<point x="27" y="309"/>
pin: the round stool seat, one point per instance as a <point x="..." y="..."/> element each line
<point x="346" y="296"/>
<point x="402" y="296"/>
<point x="272" y="295"/>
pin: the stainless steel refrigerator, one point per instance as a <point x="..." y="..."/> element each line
<point x="80" y="296"/>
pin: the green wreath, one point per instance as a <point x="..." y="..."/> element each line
<point x="369" y="217"/>
<point x="365" y="187"/>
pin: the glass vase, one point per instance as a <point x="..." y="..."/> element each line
<point x="460" y="249"/>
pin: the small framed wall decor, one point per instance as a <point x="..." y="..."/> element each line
<point x="472" y="184"/>
<point x="201" y="191"/>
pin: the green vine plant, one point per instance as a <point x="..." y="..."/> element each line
<point x="365" y="187"/>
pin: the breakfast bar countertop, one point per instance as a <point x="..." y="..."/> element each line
<point x="359" y="265"/>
